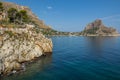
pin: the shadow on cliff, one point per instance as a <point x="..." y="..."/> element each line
<point x="34" y="67"/>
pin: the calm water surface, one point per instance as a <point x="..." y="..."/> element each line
<point x="77" y="58"/>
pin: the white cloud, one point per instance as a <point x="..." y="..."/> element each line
<point x="110" y="17"/>
<point x="49" y="7"/>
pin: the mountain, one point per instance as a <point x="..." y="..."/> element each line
<point x="97" y="28"/>
<point x="32" y="16"/>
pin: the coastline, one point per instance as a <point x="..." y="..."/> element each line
<point x="84" y="35"/>
<point x="26" y="64"/>
<point x="18" y="47"/>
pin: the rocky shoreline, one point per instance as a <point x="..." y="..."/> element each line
<point x="105" y="35"/>
<point x="116" y="35"/>
<point x="24" y="65"/>
<point x="19" y="47"/>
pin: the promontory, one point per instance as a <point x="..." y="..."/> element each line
<point x="21" y="38"/>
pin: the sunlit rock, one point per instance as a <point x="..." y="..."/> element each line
<point x="17" y="46"/>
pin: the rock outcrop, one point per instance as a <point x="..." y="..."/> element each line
<point x="18" y="46"/>
<point x="97" y="28"/>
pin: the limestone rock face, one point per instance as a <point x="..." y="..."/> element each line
<point x="96" y="24"/>
<point x="18" y="47"/>
<point x="98" y="28"/>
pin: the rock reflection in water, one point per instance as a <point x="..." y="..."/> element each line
<point x="31" y="69"/>
<point x="97" y="45"/>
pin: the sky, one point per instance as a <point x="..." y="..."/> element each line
<point x="74" y="15"/>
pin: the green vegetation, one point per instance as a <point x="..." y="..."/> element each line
<point x="10" y="33"/>
<point x="22" y="16"/>
<point x="19" y="17"/>
<point x="48" y="32"/>
<point x="53" y="32"/>
<point x="1" y="7"/>
<point x="12" y="14"/>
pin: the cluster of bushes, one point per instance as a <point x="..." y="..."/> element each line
<point x="17" y="16"/>
<point x="1" y="7"/>
<point x="48" y="31"/>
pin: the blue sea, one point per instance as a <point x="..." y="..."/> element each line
<point x="76" y="58"/>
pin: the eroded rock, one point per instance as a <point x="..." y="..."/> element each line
<point x="16" y="48"/>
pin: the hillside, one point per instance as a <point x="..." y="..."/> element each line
<point x="21" y="38"/>
<point x="34" y="19"/>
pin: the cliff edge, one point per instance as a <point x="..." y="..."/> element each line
<point x="21" y="37"/>
<point x="21" y="45"/>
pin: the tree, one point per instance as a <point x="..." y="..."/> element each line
<point x="1" y="7"/>
<point x="12" y="14"/>
<point x="24" y="16"/>
<point x="17" y="16"/>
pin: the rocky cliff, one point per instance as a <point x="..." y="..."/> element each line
<point x="97" y="28"/>
<point x="21" y="45"/>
